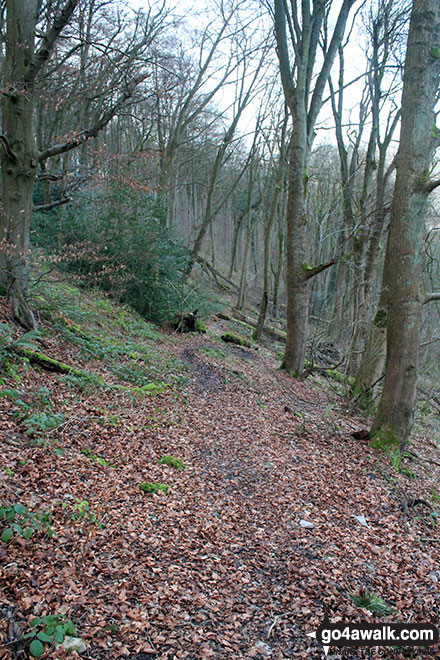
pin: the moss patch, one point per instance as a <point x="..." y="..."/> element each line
<point x="231" y="338"/>
<point x="172" y="461"/>
<point x="149" y="487"/>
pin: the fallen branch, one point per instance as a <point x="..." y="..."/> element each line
<point x="52" y="205"/>
<point x="216" y="274"/>
<point x="271" y="332"/>
<point x="423" y="459"/>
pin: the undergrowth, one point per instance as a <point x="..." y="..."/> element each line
<point x="113" y="334"/>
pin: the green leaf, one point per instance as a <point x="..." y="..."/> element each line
<point x="69" y="628"/>
<point x="58" y="636"/>
<point x="36" y="648"/>
<point x="18" y="528"/>
<point x="44" y="637"/>
<point x="7" y="535"/>
<point x="35" y="622"/>
<point x="51" y="619"/>
<point x="30" y="634"/>
<point x="28" y="533"/>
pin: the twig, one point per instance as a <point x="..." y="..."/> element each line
<point x="274" y="623"/>
<point x="422" y="458"/>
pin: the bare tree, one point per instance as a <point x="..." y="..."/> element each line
<point x="298" y="31"/>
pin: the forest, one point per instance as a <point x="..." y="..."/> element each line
<point x="219" y="312"/>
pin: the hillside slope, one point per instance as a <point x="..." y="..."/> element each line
<point x="221" y="564"/>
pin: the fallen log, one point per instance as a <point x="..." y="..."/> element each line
<point x="279" y="335"/>
<point x="50" y="364"/>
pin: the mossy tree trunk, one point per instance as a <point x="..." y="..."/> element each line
<point x="404" y="256"/>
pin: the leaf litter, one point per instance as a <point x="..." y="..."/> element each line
<point x="251" y="544"/>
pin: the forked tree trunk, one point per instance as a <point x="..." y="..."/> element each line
<point x="404" y="257"/>
<point x="303" y="92"/>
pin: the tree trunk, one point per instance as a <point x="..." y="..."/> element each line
<point x="18" y="156"/>
<point x="404" y="256"/>
<point x="277" y="272"/>
<point x="296" y="243"/>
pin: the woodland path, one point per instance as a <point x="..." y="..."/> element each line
<point x="220" y="566"/>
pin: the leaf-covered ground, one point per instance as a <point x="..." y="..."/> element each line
<point x="221" y="564"/>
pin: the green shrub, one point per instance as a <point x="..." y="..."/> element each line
<point x="372" y="602"/>
<point x="34" y="412"/>
<point x="10" y="347"/>
<point x="171" y="461"/>
<point x="116" y="241"/>
<point x="19" y="520"/>
<point x="49" y="629"/>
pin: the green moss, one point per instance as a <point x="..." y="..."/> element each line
<point x="384" y="439"/>
<point x="435" y="53"/>
<point x="200" y="326"/>
<point x="426" y="175"/>
<point x="306" y="267"/>
<point x="231" y="338"/>
<point x="214" y="352"/>
<point x="101" y="461"/>
<point x="149" y="487"/>
<point x="171" y="461"/>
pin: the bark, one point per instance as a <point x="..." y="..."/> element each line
<point x="404" y="256"/>
<point x="18" y="155"/>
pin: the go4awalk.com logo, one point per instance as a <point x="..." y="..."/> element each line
<point x="375" y="634"/>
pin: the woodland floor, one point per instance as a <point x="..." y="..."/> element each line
<point x="219" y="566"/>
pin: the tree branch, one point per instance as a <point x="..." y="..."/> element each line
<point x="434" y="295"/>
<point x="52" y="205"/>
<point x="48" y="40"/>
<point x="105" y="118"/>
<point x="431" y="185"/>
<point x="312" y="272"/>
